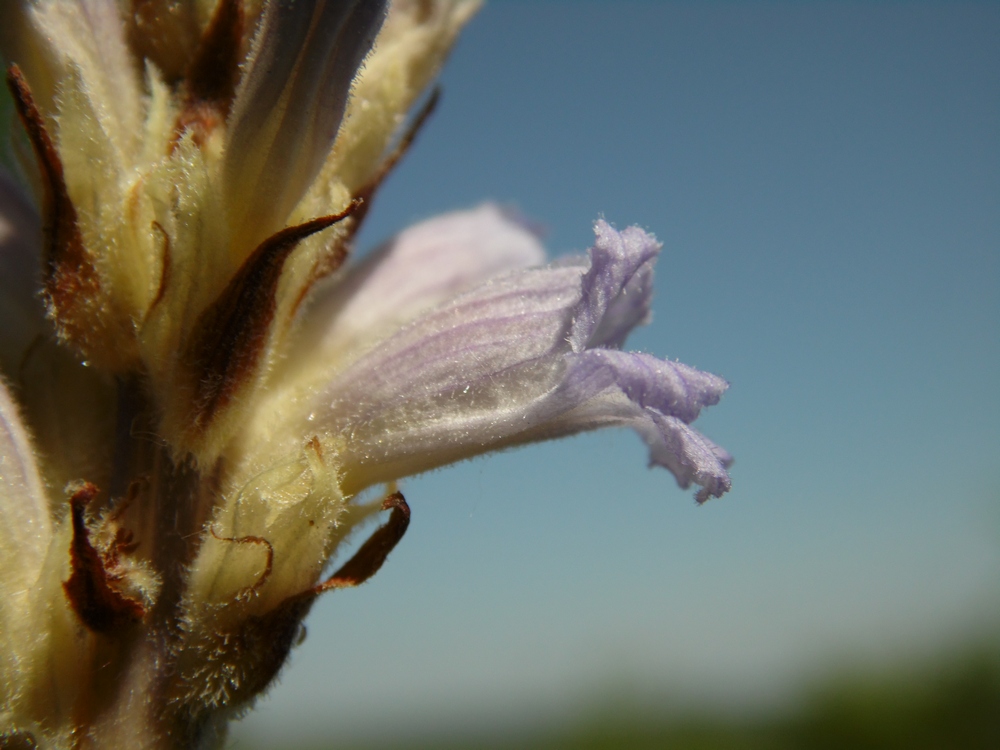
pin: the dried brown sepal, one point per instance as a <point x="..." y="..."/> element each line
<point x="167" y="268"/>
<point x="94" y="592"/>
<point x="70" y="278"/>
<point x="250" y="591"/>
<point x="373" y="553"/>
<point x="211" y="78"/>
<point x="260" y="646"/>
<point x="230" y="335"/>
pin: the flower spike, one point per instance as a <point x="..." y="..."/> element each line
<point x="216" y="389"/>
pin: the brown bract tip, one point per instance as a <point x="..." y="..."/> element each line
<point x="214" y="71"/>
<point x="70" y="276"/>
<point x="402" y="147"/>
<point x="328" y="263"/>
<point x="253" y="589"/>
<point x="93" y="590"/>
<point x="373" y="553"/>
<point x="230" y="336"/>
<point x="211" y="78"/>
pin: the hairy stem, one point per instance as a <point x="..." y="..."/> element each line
<point x="165" y="503"/>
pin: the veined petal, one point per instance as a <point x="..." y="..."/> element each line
<point x="509" y="322"/>
<point x="422" y="267"/>
<point x="610" y="389"/>
<point x="499" y="366"/>
<point x="617" y="287"/>
<point x="671" y="388"/>
<point x="289" y="106"/>
<point x="673" y="444"/>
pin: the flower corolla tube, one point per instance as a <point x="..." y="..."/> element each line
<point x="197" y="389"/>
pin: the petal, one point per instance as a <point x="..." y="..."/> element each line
<point x="671" y="388"/>
<point x="599" y="388"/>
<point x="21" y="313"/>
<point x="420" y="268"/>
<point x="674" y="445"/>
<point x="290" y="104"/>
<point x="693" y="458"/>
<point x="507" y="323"/>
<point x="498" y="367"/>
<point x="617" y="287"/>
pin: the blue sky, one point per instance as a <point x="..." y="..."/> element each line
<point x="825" y="178"/>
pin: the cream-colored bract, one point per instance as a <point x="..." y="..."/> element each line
<point x="165" y="218"/>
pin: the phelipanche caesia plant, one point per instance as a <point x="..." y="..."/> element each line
<point x="196" y="389"/>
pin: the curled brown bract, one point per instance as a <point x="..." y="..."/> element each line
<point x="93" y="590"/>
<point x="230" y="336"/>
<point x="253" y="589"/>
<point x="70" y="279"/>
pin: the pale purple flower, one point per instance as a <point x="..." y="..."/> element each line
<point x="196" y="394"/>
<point x="449" y="368"/>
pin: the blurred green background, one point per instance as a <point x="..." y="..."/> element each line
<point x="951" y="703"/>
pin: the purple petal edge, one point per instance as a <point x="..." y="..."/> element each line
<point x="656" y="398"/>
<point x="671" y="388"/>
<point x="527" y="356"/>
<point x="616" y="289"/>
